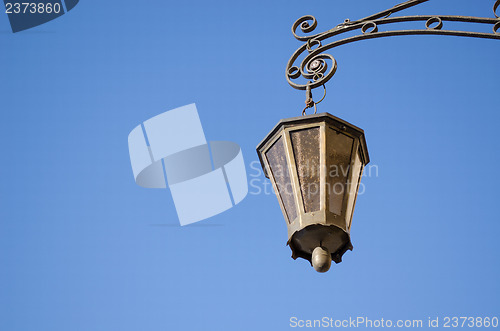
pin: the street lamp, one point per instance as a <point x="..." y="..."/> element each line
<point x="315" y="162"/>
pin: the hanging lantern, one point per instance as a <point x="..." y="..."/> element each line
<point x="315" y="163"/>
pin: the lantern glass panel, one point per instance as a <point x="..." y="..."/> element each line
<point x="338" y="159"/>
<point x="276" y="157"/>
<point x="357" y="171"/>
<point x="305" y="144"/>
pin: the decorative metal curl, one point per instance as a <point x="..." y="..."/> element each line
<point x="315" y="65"/>
<point x="433" y="20"/>
<point x="369" y="25"/>
<point x="305" y="26"/>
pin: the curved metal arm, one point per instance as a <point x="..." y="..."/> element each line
<point x="319" y="67"/>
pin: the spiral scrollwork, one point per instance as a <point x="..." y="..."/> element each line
<point x="314" y="67"/>
<point x="307" y="24"/>
<point x="317" y="67"/>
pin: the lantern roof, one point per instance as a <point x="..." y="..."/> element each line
<point x="317" y="118"/>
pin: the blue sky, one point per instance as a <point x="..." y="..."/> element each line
<point x="82" y="247"/>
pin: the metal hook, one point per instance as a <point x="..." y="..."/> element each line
<point x="310" y="102"/>
<point x="324" y="94"/>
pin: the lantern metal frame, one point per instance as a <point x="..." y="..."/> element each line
<point x="322" y="226"/>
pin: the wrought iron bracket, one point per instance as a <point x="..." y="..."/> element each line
<point x="318" y="67"/>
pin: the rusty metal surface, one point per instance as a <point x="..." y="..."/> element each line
<point x="318" y="67"/>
